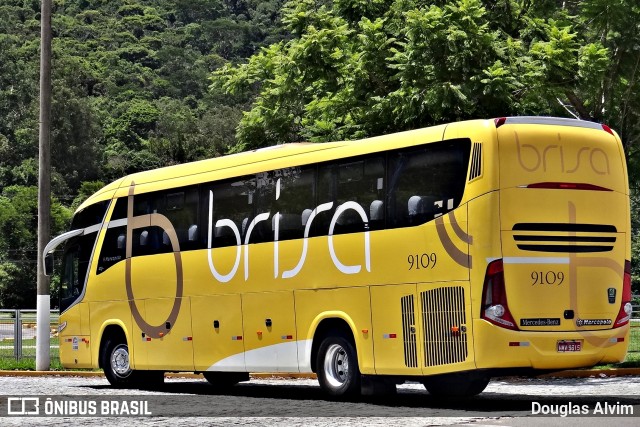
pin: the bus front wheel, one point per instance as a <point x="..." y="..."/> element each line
<point x="337" y="367"/>
<point x="116" y="364"/>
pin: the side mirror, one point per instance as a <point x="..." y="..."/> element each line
<point x="48" y="264"/>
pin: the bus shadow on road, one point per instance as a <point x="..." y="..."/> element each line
<point x="307" y="400"/>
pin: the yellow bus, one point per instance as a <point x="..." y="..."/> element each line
<point x="445" y="255"/>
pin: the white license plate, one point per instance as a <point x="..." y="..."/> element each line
<point x="568" y="346"/>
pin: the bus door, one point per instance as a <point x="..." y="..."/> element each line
<point x="74" y="338"/>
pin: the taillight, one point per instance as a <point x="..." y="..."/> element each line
<point x="567" y="186"/>
<point x="494" y="298"/>
<point x="625" y="305"/>
<point x="500" y="121"/>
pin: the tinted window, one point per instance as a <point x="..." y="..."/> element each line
<point x="144" y="239"/>
<point x="293" y="204"/>
<point x="91" y="215"/>
<point x="181" y="207"/>
<point x="427" y="182"/>
<point x="232" y="200"/>
<point x="75" y="263"/>
<point x="114" y="245"/>
<point x="360" y="181"/>
<point x="399" y="188"/>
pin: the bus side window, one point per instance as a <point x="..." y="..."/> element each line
<point x="326" y="190"/>
<point x="427" y="182"/>
<point x="361" y="181"/>
<point x="263" y="231"/>
<point x="181" y="207"/>
<point x="232" y="200"/>
<point x="113" y="248"/>
<point x="141" y="237"/>
<point x="297" y="195"/>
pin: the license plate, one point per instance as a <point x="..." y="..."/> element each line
<point x="567" y="346"/>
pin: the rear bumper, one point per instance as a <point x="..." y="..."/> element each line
<point x="496" y="347"/>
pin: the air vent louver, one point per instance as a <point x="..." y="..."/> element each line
<point x="476" y="161"/>
<point x="409" y="332"/>
<point x="444" y="325"/>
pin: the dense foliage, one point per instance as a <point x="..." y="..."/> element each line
<point x="356" y="68"/>
<point x="130" y="92"/>
<point x="140" y="84"/>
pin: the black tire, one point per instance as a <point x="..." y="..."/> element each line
<point x="458" y="385"/>
<point x="225" y="380"/>
<point x="337" y="366"/>
<point x="115" y="362"/>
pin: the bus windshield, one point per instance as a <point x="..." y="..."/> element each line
<point x="75" y="263"/>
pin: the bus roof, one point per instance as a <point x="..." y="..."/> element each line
<point x="281" y="156"/>
<point x="268" y="158"/>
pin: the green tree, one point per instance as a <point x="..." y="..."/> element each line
<point x="357" y="68"/>
<point x="130" y="93"/>
<point x="18" y="225"/>
<point x="346" y="75"/>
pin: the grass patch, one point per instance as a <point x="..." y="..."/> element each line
<point x="633" y="354"/>
<point x="27" y="365"/>
<point x="631" y="361"/>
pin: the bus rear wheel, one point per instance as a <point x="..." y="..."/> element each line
<point x="337" y="367"/>
<point x="459" y="385"/>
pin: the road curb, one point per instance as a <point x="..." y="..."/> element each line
<point x="573" y="373"/>
<point x="587" y="373"/>
<point x="95" y="374"/>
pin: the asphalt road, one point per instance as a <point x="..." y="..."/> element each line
<point x="301" y="402"/>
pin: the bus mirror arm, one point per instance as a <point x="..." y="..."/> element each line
<point x="54" y="243"/>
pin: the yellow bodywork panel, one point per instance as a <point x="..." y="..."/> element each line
<point x="396" y="334"/>
<point x="217" y="331"/>
<point x="269" y="324"/>
<point x="75" y="337"/>
<point x="178" y="336"/>
<point x="348" y="304"/>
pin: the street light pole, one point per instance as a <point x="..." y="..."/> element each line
<point x="44" y="190"/>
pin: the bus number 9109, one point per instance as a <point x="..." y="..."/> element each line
<point x="547" y="278"/>
<point x="422" y="261"/>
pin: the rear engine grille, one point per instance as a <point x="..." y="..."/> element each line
<point x="409" y="332"/>
<point x="564" y="237"/>
<point x="444" y="325"/>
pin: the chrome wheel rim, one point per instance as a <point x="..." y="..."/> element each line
<point x="336" y="365"/>
<point x="120" y="361"/>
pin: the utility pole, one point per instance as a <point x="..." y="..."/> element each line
<point x="43" y="336"/>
